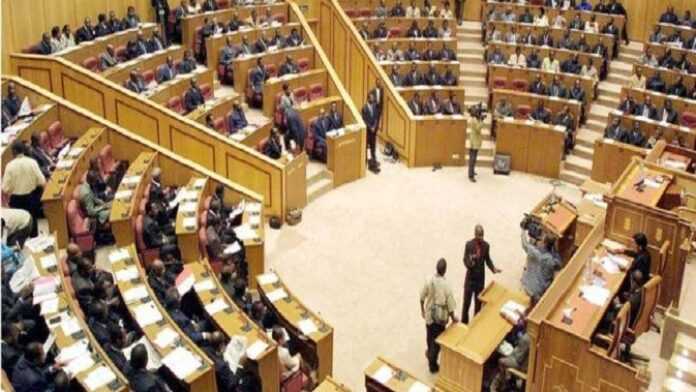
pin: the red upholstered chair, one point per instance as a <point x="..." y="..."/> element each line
<point x="197" y="40"/>
<point x="55" y="136"/>
<point x="45" y="143"/>
<point x="520" y="85"/>
<point x="352" y="13"/>
<point x="310" y="139"/>
<point x="261" y="144"/>
<point x="223" y="3"/>
<point x="365" y="12"/>
<point x="249" y="91"/>
<point x="300" y="94"/>
<point x="92" y="64"/>
<point x="219" y="124"/>
<point x="107" y="163"/>
<point x="64" y="268"/>
<point x="689" y="119"/>
<point x="147" y="255"/>
<point x="207" y="91"/>
<point x="143" y="203"/>
<point x="303" y="64"/>
<point x="395" y="32"/>
<point x="33" y="49"/>
<point x="216" y="265"/>
<point x="523" y="111"/>
<point x="148" y="76"/>
<point x="174" y="103"/>
<point x="316" y="91"/>
<point x="280" y="18"/>
<point x="271" y="70"/>
<point x="78" y="226"/>
<point x="294" y="383"/>
<point x="121" y="53"/>
<point x="499" y="83"/>
<point x="221" y="73"/>
<point x="278" y="115"/>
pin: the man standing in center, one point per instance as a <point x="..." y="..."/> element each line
<point x="476" y="253"/>
<point x="437" y="308"/>
<point x="475" y="126"/>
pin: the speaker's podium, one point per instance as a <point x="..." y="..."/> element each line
<point x="465" y="350"/>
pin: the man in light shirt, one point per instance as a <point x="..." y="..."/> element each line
<point x="16" y="226"/>
<point x="551" y="64"/>
<point x="437" y="308"/>
<point x="24" y="182"/>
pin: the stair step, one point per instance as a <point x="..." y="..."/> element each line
<point x="319" y="188"/>
<point x="586" y="137"/>
<point x="572" y="177"/>
<point x="634" y="47"/>
<point x="595" y="125"/>
<point x="470" y="58"/>
<point x="627" y="57"/>
<point x="578" y="164"/>
<point x="583" y="151"/>
<point x="469" y="37"/>
<point x="608" y="100"/>
<point x="316" y="175"/>
<point x="618" y="78"/>
<point x="471" y="81"/>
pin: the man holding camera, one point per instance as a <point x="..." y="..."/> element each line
<point x="475" y="127"/>
<point x="542" y="262"/>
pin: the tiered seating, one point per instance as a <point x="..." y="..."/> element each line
<point x="382" y="375"/>
<point x="87" y="52"/>
<point x="150" y="62"/>
<point x="524" y="103"/>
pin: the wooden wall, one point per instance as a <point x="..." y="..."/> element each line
<point x="643" y="14"/>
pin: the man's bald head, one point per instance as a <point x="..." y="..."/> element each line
<point x="158" y="266"/>
<point x="478" y="232"/>
<point x="73" y="250"/>
<point x="441" y="267"/>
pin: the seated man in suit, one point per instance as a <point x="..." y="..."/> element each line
<point x="381" y="10"/>
<point x="140" y="378"/>
<point x="273" y="148"/>
<point x="96" y="209"/>
<point x="449" y="79"/>
<point x="215" y="351"/>
<point x="381" y="31"/>
<point x="414" y="31"/>
<point x="319" y="127"/>
<point x="412" y="53"/>
<point x="615" y="131"/>
<point x="167" y="71"/>
<point x="576" y="23"/>
<point x="496" y="57"/>
<point x="413" y="78"/>
<point x="103" y="28"/>
<point x="537" y="86"/>
<point x="398" y="10"/>
<point x="108" y="59"/>
<point x="567" y="121"/>
<point x="432" y="78"/>
<point x="257" y="77"/>
<point x="158" y="279"/>
<point x="656" y="83"/>
<point x="262" y="43"/>
<point x="541" y="113"/>
<point x="44" y="46"/>
<point x="12" y="102"/>
<point x="447" y="54"/>
<point x="188" y="63"/>
<point x="678" y="88"/>
<point x="666" y="61"/>
<point x="115" y="24"/>
<point x="668" y="114"/>
<point x="114" y="348"/>
<point x="156" y="42"/>
<point x="294" y="39"/>
<point x="245" y="48"/>
<point x="415" y="105"/>
<point x="669" y="16"/>
<point x="138" y="47"/>
<point x="237" y="119"/>
<point x="288" y="67"/>
<point x="577" y="93"/>
<point x="396" y="79"/>
<point x="546" y="39"/>
<point x="394" y="53"/>
<point x="646" y="109"/>
<point x="567" y="42"/>
<point x="527" y="16"/>
<point x="627" y="105"/>
<point x="533" y="60"/>
<point x="683" y="64"/>
<point x="86" y="32"/>
<point x="334" y="117"/>
<point x="430" y="54"/>
<point x="277" y="41"/>
<point x="156" y="235"/>
<point x="635" y="136"/>
<point x="430" y="30"/>
<point x="556" y="88"/>
<point x="33" y="373"/>
<point x="432" y="105"/>
<point x="451" y="106"/>
<point x="572" y="65"/>
<point x="193" y="97"/>
<point x="131" y="20"/>
<point x="364" y="31"/>
<point x="550" y="63"/>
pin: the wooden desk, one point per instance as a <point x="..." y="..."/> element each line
<point x="611" y="157"/>
<point x="673" y="157"/>
<point x="69" y="309"/>
<point x="178" y="86"/>
<point x="59" y="188"/>
<point x="465" y="349"/>
<point x="669" y="76"/>
<point x="120" y="73"/>
<point x="552" y="104"/>
<point x="559" y="218"/>
<point x="242" y="65"/>
<point x="23" y="129"/>
<point x="402" y="67"/>
<point x="79" y="53"/>
<point x="557" y="33"/>
<point x="191" y="23"/>
<point x="342" y="148"/>
<point x="202" y="379"/>
<point x="442" y="93"/>
<point x="331" y="385"/>
<point x="650" y="127"/>
<point x="187" y="217"/>
<point x="534" y="147"/>
<point x="559" y="53"/>
<point x="402" y="23"/>
<point x="659" y="50"/>
<point x="399" y="381"/>
<point x="298" y="320"/>
<point x="658" y="99"/>
<point x="126" y="204"/>
<point x="274" y="86"/>
<point x="233" y="322"/>
<point x="420" y="43"/>
<point x="215" y="43"/>
<point x="648" y="196"/>
<point x="216" y="107"/>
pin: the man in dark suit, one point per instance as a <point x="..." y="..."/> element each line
<point x="646" y="109"/>
<point x="257" y="77"/>
<point x="381" y="31"/>
<point x="370" y="114"/>
<point x="335" y="118"/>
<point x="227" y="54"/>
<point x="656" y="83"/>
<point x="414" y="31"/>
<point x="476" y="254"/>
<point x="86" y="32"/>
<point x="413" y="78"/>
<point x="627" y="105"/>
<point x="209" y="5"/>
<point x="447" y="54"/>
<point x="557" y="89"/>
<point x="395" y="78"/>
<point x="296" y="131"/>
<point x="566" y="120"/>
<point x="115" y="23"/>
<point x="161" y="8"/>
<point x="635" y="136"/>
<point x="215" y="349"/>
<point x="537" y="86"/>
<point x="114" y="348"/>
<point x="108" y="59"/>
<point x="154" y="234"/>
<point x="167" y="71"/>
<point x="614" y="130"/>
<point x="156" y="43"/>
<point x="572" y="65"/>
<point x="577" y="93"/>
<point x="432" y="78"/>
<point x="237" y="119"/>
<point x="192" y="327"/>
<point x="451" y="106"/>
<point x="135" y="82"/>
<point x="430" y="54"/>
<point x="138" y="47"/>
<point x="262" y="43"/>
<point x="678" y="88"/>
<point x="415" y="105"/>
<point x="272" y="147"/>
<point x="103" y="28"/>
<point x="193" y="97"/>
<point x="141" y="379"/>
<point x="44" y="47"/>
<point x="188" y="63"/>
<point x="412" y="53"/>
<point x="432" y="106"/>
<point x="449" y="79"/>
<point x="319" y="127"/>
<point x="546" y="39"/>
<point x="288" y="67"/>
<point x="668" y="114"/>
<point x="32" y="373"/>
<point x="541" y="113"/>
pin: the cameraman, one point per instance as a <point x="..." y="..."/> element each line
<point x="542" y="261"/>
<point x="476" y="114"/>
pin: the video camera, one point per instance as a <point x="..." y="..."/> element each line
<point x="533" y="226"/>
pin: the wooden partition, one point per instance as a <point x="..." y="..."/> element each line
<point x="79" y="53"/>
<point x="533" y="147"/>
<point x="611" y="158"/>
<point x="126" y="204"/>
<point x="274" y="86"/>
<point x="185" y="137"/>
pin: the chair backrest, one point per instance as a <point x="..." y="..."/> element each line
<point x="76" y="217"/>
<point x="207" y="91"/>
<point x="352" y="13"/>
<point x="309" y="140"/>
<point x="271" y="70"/>
<point x="121" y="53"/>
<point x="395" y="32"/>
<point x="44" y="141"/>
<point x="174" y="103"/>
<point x="662" y="258"/>
<point x="219" y="124"/>
<point x="688" y="119"/>
<point x="223" y="3"/>
<point x="280" y="18"/>
<point x="293" y="383"/>
<point x="261" y="144"/>
<point x="300" y="94"/>
<point x="365" y="12"/>
<point x="523" y="111"/>
<point x="649" y="295"/>
<point x="148" y="76"/>
<point x="203" y="241"/>
<point x="55" y="134"/>
<point x="106" y="160"/>
<point x="620" y="325"/>
<point x="138" y="228"/>
<point x="303" y="64"/>
<point x="316" y="91"/>
<point x="91" y="64"/>
<point x="520" y="85"/>
<point x="499" y="82"/>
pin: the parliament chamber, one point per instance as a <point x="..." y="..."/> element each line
<point x="212" y="195"/>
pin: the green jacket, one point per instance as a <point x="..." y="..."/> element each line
<point x="475" y="127"/>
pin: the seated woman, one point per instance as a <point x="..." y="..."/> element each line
<point x="290" y="364"/>
<point x="96" y="208"/>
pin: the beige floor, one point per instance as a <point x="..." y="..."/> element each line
<point x="363" y="250"/>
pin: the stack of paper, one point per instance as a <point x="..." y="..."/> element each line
<point x="232" y="248"/>
<point x="131" y="181"/>
<point x="594" y="294"/>
<point x="418" y="387"/>
<point x="99" y="377"/>
<point x="383" y="374"/>
<point x="216" y="306"/>
<point x="244" y="232"/>
<point x="73" y="351"/>
<point x="79" y="364"/>
<point x="127" y="273"/>
<point x="609" y="265"/>
<point x="147" y="314"/>
<point x="49" y="307"/>
<point x="135" y="294"/>
<point x="39" y="243"/>
<point x="185" y="281"/>
<point x="204" y="285"/>
<point x="123" y="195"/>
<point x="612" y="245"/>
<point x="65" y="164"/>
<point x="75" y="152"/>
<point x="256" y="349"/>
<point x="118" y="255"/>
<point x="49" y="261"/>
<point x="307" y="326"/>
<point x="43" y="288"/>
<point x="70" y="326"/>
<point x="190" y="223"/>
<point x="181" y="362"/>
<point x="512" y="310"/>
<point x="276" y="295"/>
<point x="166" y="337"/>
<point x="267" y="278"/>
<point x="622" y="262"/>
<point x="189" y="208"/>
<point x="24" y="275"/>
<point x="199" y="183"/>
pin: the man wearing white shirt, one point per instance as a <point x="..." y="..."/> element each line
<point x="517" y="59"/>
<point x="551" y="64"/>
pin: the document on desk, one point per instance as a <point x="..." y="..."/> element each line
<point x="99" y="377"/>
<point x="79" y="364"/>
<point x="612" y="245"/>
<point x="166" y="337"/>
<point x="49" y="261"/>
<point x="418" y="387"/>
<point x="232" y="248"/>
<point x="609" y="265"/>
<point x="182" y="362"/>
<point x="204" y="285"/>
<point x="24" y="275"/>
<point x="307" y="326"/>
<point x="594" y="294"/>
<point x="267" y="278"/>
<point x="70" y="326"/>
<point x="43" y="286"/>
<point x="244" y="232"/>
<point x="277" y="295"/>
<point x="185" y="280"/>
<point x="216" y="306"/>
<point x="127" y="273"/>
<point x="73" y="351"/>
<point x="147" y="314"/>
<point x="135" y="294"/>
<point x="256" y="349"/>
<point x="49" y="307"/>
<point x="383" y="374"/>
<point x="119" y="255"/>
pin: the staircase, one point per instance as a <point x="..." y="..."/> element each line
<point x="319" y="181"/>
<point x="578" y="164"/>
<point x="472" y="75"/>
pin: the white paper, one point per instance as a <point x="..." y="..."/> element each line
<point x="166" y="337"/>
<point x="418" y="387"/>
<point x="185" y="285"/>
<point x="199" y="183"/>
<point x="256" y="349"/>
<point x="189" y="208"/>
<point x="119" y="255"/>
<point x="131" y="181"/>
<point x="189" y="195"/>
<point x="383" y="374"/>
<point x="255" y="220"/>
<point x="39" y="299"/>
<point x="79" y="364"/>
<point x="43" y="286"/>
<point x="49" y="261"/>
<point x="307" y="326"/>
<point x="595" y="295"/>
<point x="99" y="377"/>
<point x="267" y="278"/>
<point x="70" y="326"/>
<point x="216" y="306"/>
<point x="147" y="314"/>
<point x="135" y="293"/>
<point x="24" y="275"/>
<point x="65" y="164"/>
<point x="75" y="152"/>
<point x="276" y="295"/>
<point x="232" y="248"/>
<point x="127" y="273"/>
<point x="123" y="195"/>
<point x="204" y="285"/>
<point x="244" y="232"/>
<point x="181" y="362"/>
<point x="609" y="265"/>
<point x="49" y="307"/>
<point x="48" y="344"/>
<point x="40" y="243"/>
<point x="190" y="223"/>
<point x="649" y="182"/>
<point x="73" y="351"/>
<point x="612" y="245"/>
<point x="153" y="358"/>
